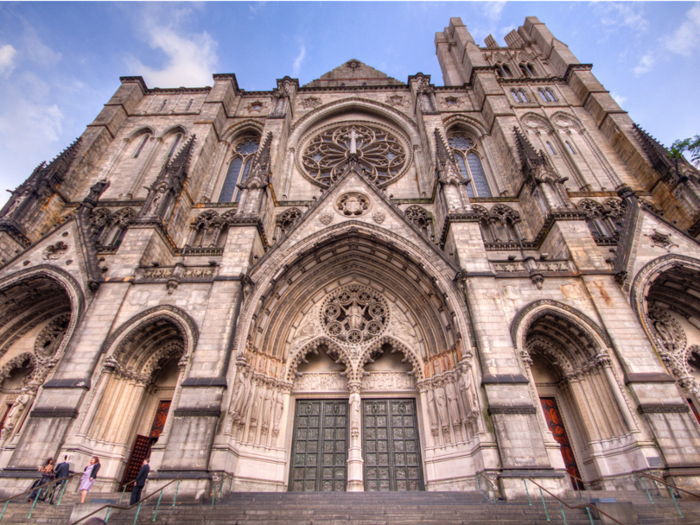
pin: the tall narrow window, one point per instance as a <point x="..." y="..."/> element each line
<point x="162" y="106"/>
<point x="544" y="97"/>
<point x="549" y="96"/>
<point x="470" y="165"/>
<point x="175" y="143"/>
<point x="571" y="148"/>
<point x="523" y="97"/>
<point x="143" y="143"/>
<point x="243" y="154"/>
<point x="525" y="71"/>
<point x="189" y="105"/>
<point x="515" y="95"/>
<point x="550" y="148"/>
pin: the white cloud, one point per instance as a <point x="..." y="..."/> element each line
<point x="298" y="60"/>
<point x="7" y="59"/>
<point x="617" y="14"/>
<point x="686" y="38"/>
<point x="618" y="98"/>
<point x="645" y="64"/>
<point x="493" y="9"/>
<point x="191" y="60"/>
<point x="256" y="7"/>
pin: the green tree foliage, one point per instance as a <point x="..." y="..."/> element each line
<point x="691" y="145"/>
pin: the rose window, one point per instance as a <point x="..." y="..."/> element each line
<point x="354" y="314"/>
<point x="380" y="153"/>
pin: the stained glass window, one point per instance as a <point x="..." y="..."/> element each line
<point x="238" y="169"/>
<point x="470" y="165"/>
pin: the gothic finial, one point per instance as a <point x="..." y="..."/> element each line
<point x="182" y="158"/>
<point x="527" y="152"/>
<point x="260" y="171"/>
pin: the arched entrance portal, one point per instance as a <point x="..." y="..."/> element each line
<point x="35" y="316"/>
<point x="134" y="393"/>
<point x="581" y="404"/>
<point x="354" y="350"/>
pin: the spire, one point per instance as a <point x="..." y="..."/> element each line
<point x="181" y="161"/>
<point x="59" y="166"/>
<point x="448" y="171"/>
<point x="528" y="155"/>
<point x="260" y="171"/>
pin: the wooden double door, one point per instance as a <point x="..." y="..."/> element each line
<point x="390" y="446"/>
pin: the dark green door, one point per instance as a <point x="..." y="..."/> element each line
<point x="390" y="445"/>
<point x="319" y="451"/>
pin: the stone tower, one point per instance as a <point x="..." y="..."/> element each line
<point x="358" y="284"/>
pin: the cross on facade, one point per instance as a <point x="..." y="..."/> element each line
<point x="353" y="141"/>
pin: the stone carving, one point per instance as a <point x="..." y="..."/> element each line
<point x="326" y="218"/>
<point x="379" y="216"/>
<point x="352" y="204"/>
<point x="14" y="415"/>
<point x="380" y="154"/>
<point x="54" y="251"/>
<point x="354" y="314"/>
<point x="387" y="381"/>
<point x="396" y="100"/>
<point x="255" y="106"/>
<point x="662" y="240"/>
<point x="51" y="336"/>
<point x="311" y="103"/>
<point x="320" y="381"/>
<point x="451" y="101"/>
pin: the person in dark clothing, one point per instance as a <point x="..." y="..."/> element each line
<point x="46" y="476"/>
<point x="140" y="482"/>
<point x="62" y="470"/>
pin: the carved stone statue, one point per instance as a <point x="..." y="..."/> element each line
<point x="14" y="415"/>
<point x="453" y="404"/>
<point x="157" y="199"/>
<point x="240" y="395"/>
<point x="279" y="407"/>
<point x="96" y="190"/>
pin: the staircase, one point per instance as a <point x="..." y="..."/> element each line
<point x="401" y="508"/>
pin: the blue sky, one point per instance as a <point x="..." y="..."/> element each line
<point x="61" y="61"/>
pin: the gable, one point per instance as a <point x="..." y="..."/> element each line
<point x="354" y="73"/>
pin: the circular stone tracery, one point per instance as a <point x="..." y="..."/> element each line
<point x="380" y="153"/>
<point x="354" y="314"/>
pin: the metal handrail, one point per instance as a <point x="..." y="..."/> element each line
<point x="562" y="502"/>
<point x="220" y="487"/>
<point x="40" y="487"/>
<point x="120" y="507"/>
<point x="583" y="482"/>
<point x="494" y="487"/>
<point x="639" y="473"/>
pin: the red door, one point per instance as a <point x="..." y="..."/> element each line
<point x="556" y="426"/>
<point x="143" y="444"/>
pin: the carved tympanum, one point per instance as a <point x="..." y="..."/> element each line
<point x="354" y="314"/>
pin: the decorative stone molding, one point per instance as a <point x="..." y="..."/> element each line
<point x="512" y="409"/>
<point x="352" y="204"/>
<point x="54" y="251"/>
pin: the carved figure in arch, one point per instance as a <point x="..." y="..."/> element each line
<point x="453" y="404"/>
<point x="14" y="415"/>
<point x="51" y="336"/>
<point x="441" y="403"/>
<point x="279" y="408"/>
<point x="240" y="397"/>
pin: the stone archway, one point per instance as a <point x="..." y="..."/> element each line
<point x="575" y="384"/>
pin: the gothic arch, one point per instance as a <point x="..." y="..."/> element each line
<point x="539" y="119"/>
<point x="560" y="116"/>
<point x="436" y="270"/>
<point x="409" y="354"/>
<point x="17" y="362"/>
<point x="187" y="327"/>
<point x="322" y="113"/>
<point x="335" y="351"/>
<point x="242" y="128"/>
<point x="177" y="128"/>
<point x="537" y="309"/>
<point x="462" y="122"/>
<point x="140" y="131"/>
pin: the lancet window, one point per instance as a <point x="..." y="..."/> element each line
<point x="527" y="69"/>
<point x="547" y="95"/>
<point x="142" y="144"/>
<point x="503" y="71"/>
<point x="108" y="228"/>
<point x="239" y="165"/>
<point x="469" y="161"/>
<point x="518" y="95"/>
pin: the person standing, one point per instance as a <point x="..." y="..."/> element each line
<point x="140" y="482"/>
<point x="62" y="470"/>
<point x="88" y="479"/>
<point x="46" y="477"/>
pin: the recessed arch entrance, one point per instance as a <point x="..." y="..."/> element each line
<point x="357" y="321"/>
<point x="578" y="395"/>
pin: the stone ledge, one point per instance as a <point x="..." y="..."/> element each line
<point x="512" y="409"/>
<point x="54" y="412"/>
<point x="491" y="379"/>
<point x="68" y="383"/>
<point x="664" y="409"/>
<point x="660" y="377"/>
<point x="197" y="412"/>
<point x="534" y="473"/>
<point x="204" y="381"/>
<point x="184" y="474"/>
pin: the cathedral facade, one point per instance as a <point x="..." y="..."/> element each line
<point x="359" y="284"/>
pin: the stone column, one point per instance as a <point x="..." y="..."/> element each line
<point x="355" y="461"/>
<point x="621" y="402"/>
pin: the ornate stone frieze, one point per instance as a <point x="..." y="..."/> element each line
<point x="352" y="204"/>
<point x="354" y="314"/>
<point x="320" y="382"/>
<point x="388" y="381"/>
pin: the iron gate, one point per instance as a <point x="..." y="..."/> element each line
<point x="320" y="446"/>
<point x="390" y="445"/>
